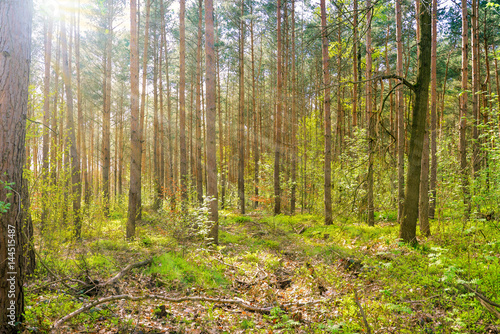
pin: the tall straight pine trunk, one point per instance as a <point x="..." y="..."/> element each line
<point x="327" y="118"/>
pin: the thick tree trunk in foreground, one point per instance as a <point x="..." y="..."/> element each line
<point x="211" y="117"/>
<point x="328" y="124"/>
<point x="407" y="230"/>
<point x="15" y="43"/>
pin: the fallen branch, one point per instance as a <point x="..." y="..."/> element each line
<point x="98" y="287"/>
<point x="483" y="300"/>
<point x="368" y="329"/>
<point x="125" y="271"/>
<point x="237" y="301"/>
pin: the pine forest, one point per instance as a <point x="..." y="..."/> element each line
<point x="249" y="166"/>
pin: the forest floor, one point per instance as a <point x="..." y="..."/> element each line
<point x="276" y="275"/>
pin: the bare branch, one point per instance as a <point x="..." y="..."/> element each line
<point x="236" y="301"/>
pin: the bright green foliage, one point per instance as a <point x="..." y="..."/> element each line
<point x="179" y="272"/>
<point x="4" y="207"/>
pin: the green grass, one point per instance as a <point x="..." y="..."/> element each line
<point x="179" y="272"/>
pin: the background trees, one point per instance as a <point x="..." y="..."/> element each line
<point x="271" y="97"/>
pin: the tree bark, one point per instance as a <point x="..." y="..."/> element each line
<point x="476" y="156"/>
<point x="241" y="115"/>
<point x="423" y="212"/>
<point x="355" y="65"/>
<point x="106" y="118"/>
<point x="134" y="202"/>
<point x="463" y="113"/>
<point x="407" y="231"/>
<point x="211" y="138"/>
<point x="199" y="171"/>
<point x="432" y="184"/>
<point x="15" y="57"/>
<point x="76" y="187"/>
<point x="294" y="118"/>
<point x="371" y="117"/>
<point x="327" y="115"/>
<point x="400" y="114"/>
<point x="182" y="104"/>
<point x="277" y="134"/>
<point x="46" y="114"/>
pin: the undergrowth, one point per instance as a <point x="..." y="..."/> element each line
<point x="272" y="261"/>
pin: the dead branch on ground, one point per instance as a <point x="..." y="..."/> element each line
<point x="236" y="301"/>
<point x="368" y="329"/>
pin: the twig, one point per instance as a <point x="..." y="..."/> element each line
<point x="421" y="300"/>
<point x="33" y="121"/>
<point x="229" y="265"/>
<point x="300" y="304"/>
<point x="368" y="329"/>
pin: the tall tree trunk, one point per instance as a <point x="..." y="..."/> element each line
<point x="46" y="114"/>
<point x="497" y="80"/>
<point x="328" y="124"/>
<point x="400" y="113"/>
<point x="476" y="158"/>
<point x="241" y="115"/>
<point x="120" y="143"/>
<point x="71" y="137"/>
<point x="171" y="175"/>
<point x="199" y="171"/>
<point x="15" y="43"/>
<point x="340" y="111"/>
<point x="182" y="103"/>
<point x="163" y="174"/>
<point x="255" y="118"/>
<point x="277" y="135"/>
<point x="371" y="116"/>
<point x="355" y="65"/>
<point x="432" y="185"/>
<point x="294" y="117"/>
<point x="54" y="149"/>
<point x="142" y="125"/>
<point x="156" y="128"/>
<point x="82" y="146"/>
<point x="211" y="138"/>
<point x="134" y="200"/>
<point x="463" y="113"/>
<point x="407" y="230"/>
<point x="106" y="119"/>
